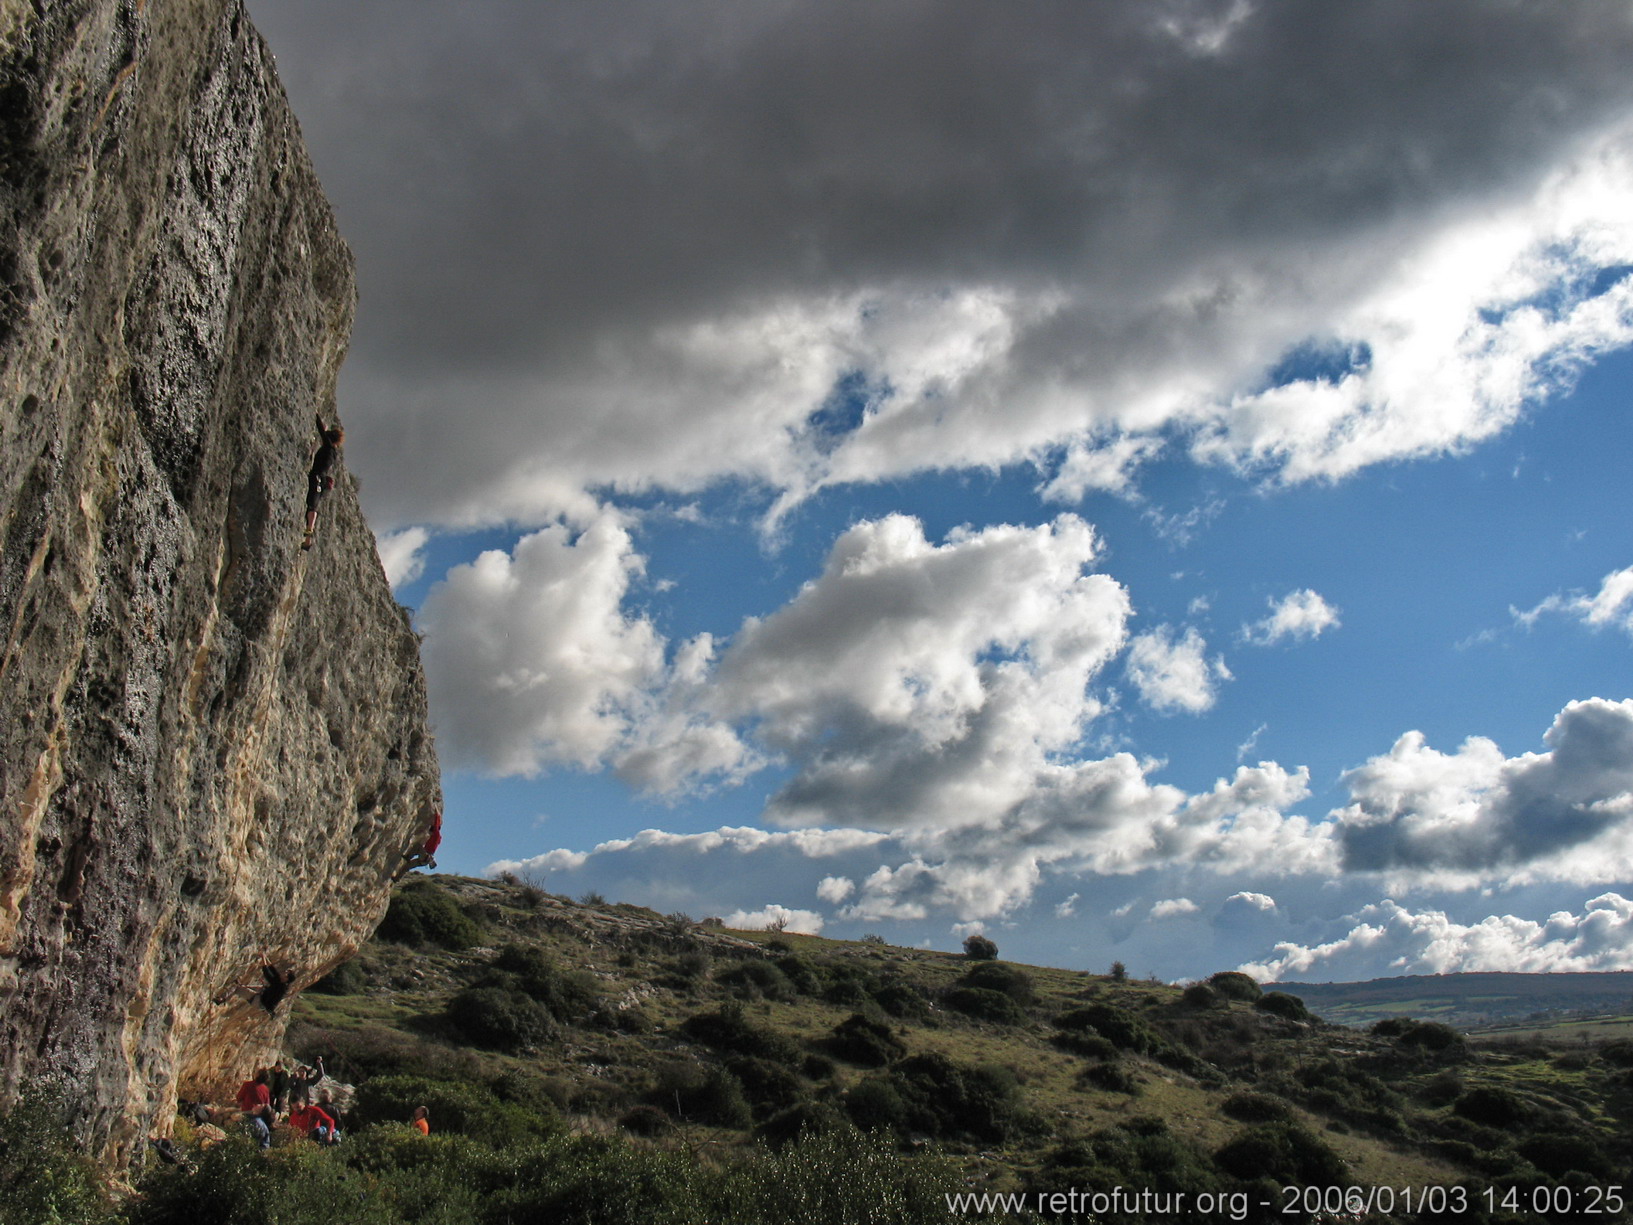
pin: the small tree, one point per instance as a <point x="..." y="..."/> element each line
<point x="978" y="948"/>
<point x="1119" y="972"/>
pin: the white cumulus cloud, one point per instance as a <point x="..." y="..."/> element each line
<point x="1168" y="908"/>
<point x="1389" y="938"/>
<point x="1175" y="675"/>
<point x="1298" y="615"/>
<point x="1611" y="605"/>
<point x="532" y="655"/>
<point x="402" y="555"/>
<point x="774" y="917"/>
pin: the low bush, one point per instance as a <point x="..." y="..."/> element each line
<point x="457" y="1107"/>
<point x="1200" y="996"/>
<point x="985" y="1005"/>
<point x="1252" y="1107"/>
<point x="1492" y="1107"/>
<point x="1285" y="1153"/>
<point x="694" y="1093"/>
<point x="1012" y="981"/>
<point x="727" y="1029"/>
<point x="1281" y="1004"/>
<point x="979" y="948"/>
<point x="43" y="1176"/>
<point x="1112" y="1077"/>
<point x="1116" y="1025"/>
<point x="420" y="913"/>
<point x="347" y="978"/>
<point x="499" y="1018"/>
<point x="902" y="1000"/>
<point x="756" y="979"/>
<point x="863" y="1042"/>
<point x="1234" y="985"/>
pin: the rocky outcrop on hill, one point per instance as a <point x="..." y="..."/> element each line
<point x="211" y="743"/>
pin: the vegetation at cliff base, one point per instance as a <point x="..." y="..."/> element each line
<point x="582" y="1061"/>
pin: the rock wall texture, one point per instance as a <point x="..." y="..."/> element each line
<point x="211" y="743"/>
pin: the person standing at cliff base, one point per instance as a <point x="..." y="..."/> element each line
<point x="320" y="479"/>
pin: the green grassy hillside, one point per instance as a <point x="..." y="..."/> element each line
<point x="594" y="1061"/>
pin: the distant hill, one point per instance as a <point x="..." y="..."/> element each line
<point x="1468" y="1000"/>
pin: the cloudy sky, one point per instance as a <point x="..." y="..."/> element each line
<point x="1147" y="481"/>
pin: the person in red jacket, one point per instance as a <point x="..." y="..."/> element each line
<point x="425" y="857"/>
<point x="255" y="1100"/>
<point x="315" y="1122"/>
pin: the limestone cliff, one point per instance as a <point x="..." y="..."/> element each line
<point x="211" y="743"/>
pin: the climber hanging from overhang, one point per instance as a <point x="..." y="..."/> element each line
<point x="269" y="992"/>
<point x="321" y="477"/>
<point x="425" y="856"/>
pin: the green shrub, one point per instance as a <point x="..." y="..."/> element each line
<point x="1252" y="1107"/>
<point x="1492" y="1107"/>
<point x="1558" y="1156"/>
<point x="568" y="996"/>
<point x="902" y="1000"/>
<point x="421" y="913"/>
<point x="644" y="1120"/>
<point x="1013" y="981"/>
<point x="592" y="1180"/>
<point x="756" y="980"/>
<point x="769" y="1087"/>
<point x="1200" y="996"/>
<point x="978" y="948"/>
<point x="1619" y="1053"/>
<point x="356" y="1054"/>
<point x="1285" y="1153"/>
<point x="235" y="1181"/>
<point x="875" y="1103"/>
<point x="1234" y="985"/>
<point x="694" y="1093"/>
<point x="1112" y="1077"/>
<point x="1281" y="1004"/>
<point x="1086" y="1043"/>
<point x="347" y="978"/>
<point x="805" y="977"/>
<point x="727" y="1029"/>
<point x="43" y="1175"/>
<point x="866" y="1043"/>
<point x="1117" y="1025"/>
<point x="457" y="1107"/>
<point x="950" y="1100"/>
<point x="498" y="1018"/>
<point x="985" y="1005"/>
<point x="802" y="1120"/>
<point x="838" y="1176"/>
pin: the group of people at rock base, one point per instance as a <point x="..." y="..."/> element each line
<point x="276" y="1094"/>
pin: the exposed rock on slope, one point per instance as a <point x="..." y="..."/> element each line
<point x="211" y="743"/>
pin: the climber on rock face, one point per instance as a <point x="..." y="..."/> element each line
<point x="425" y="856"/>
<point x="269" y="992"/>
<point x="321" y="477"/>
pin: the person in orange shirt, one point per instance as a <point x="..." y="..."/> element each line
<point x="420" y="1121"/>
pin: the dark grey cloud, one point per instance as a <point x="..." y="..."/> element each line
<point x="542" y="197"/>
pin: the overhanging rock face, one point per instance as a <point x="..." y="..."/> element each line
<point x="211" y="743"/>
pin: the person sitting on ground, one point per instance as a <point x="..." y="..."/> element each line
<point x="314" y="1122"/>
<point x="255" y="1100"/>
<point x="421" y="1121"/>
<point x="270" y="991"/>
<point x="320" y="479"/>
<point x="326" y="1103"/>
<point x="425" y="857"/>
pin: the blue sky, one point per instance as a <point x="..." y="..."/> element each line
<point x="1147" y="482"/>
